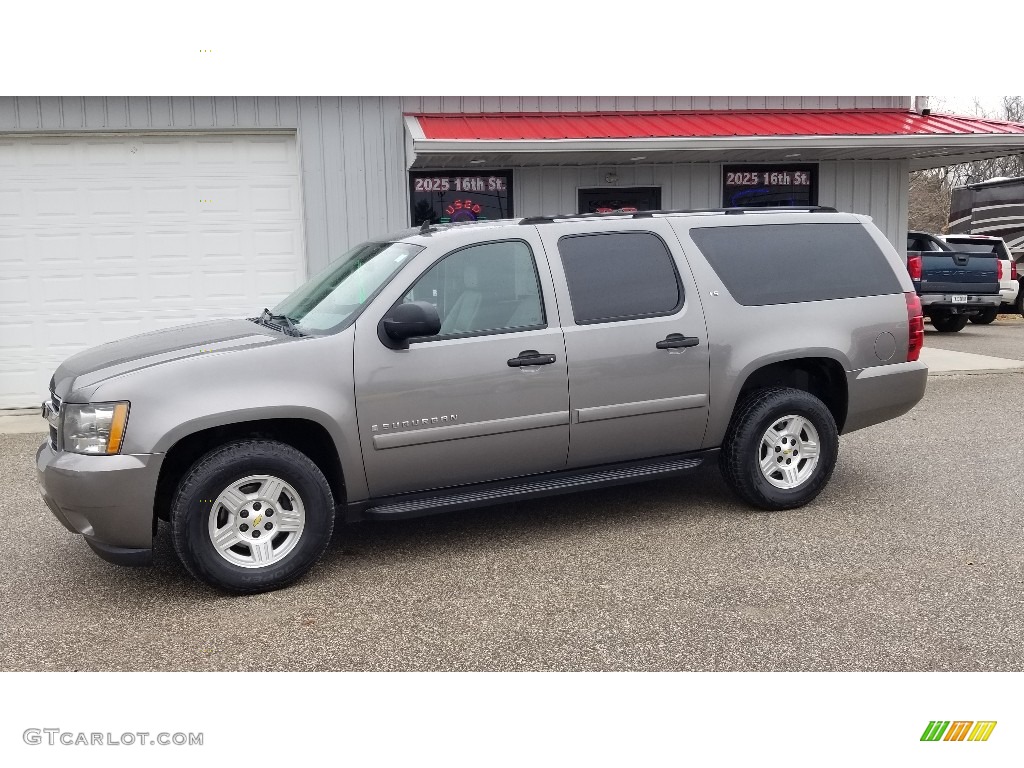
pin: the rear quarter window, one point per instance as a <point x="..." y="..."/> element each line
<point x="786" y="263"/>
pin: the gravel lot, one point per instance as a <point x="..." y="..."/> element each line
<point x="912" y="559"/>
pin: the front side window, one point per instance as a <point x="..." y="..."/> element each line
<point x="333" y="297"/>
<point x="487" y="288"/>
<point x="619" y="276"/>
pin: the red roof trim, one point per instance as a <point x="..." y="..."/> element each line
<point x="541" y="126"/>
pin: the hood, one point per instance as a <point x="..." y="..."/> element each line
<point x="88" y="368"/>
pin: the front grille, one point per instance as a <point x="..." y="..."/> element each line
<point x="55" y="404"/>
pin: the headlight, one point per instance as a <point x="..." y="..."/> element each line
<point x="96" y="428"/>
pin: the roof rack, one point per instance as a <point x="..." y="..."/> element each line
<point x="650" y="214"/>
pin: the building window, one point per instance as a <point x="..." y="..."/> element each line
<point x="442" y="197"/>
<point x="607" y="199"/>
<point x="762" y="186"/>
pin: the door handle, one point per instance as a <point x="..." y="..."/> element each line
<point x="530" y="357"/>
<point x="675" y="340"/>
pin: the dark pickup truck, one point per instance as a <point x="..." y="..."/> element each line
<point x="953" y="285"/>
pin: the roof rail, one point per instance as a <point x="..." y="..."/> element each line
<point x="649" y="214"/>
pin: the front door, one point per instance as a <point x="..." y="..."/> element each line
<point x="606" y="199"/>
<point x="466" y="405"/>
<point x="636" y="341"/>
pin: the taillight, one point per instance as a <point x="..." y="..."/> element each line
<point x="999" y="270"/>
<point x="1013" y="270"/>
<point x="914" y="265"/>
<point x="915" y="320"/>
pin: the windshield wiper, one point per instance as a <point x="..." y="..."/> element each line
<point x="280" y="322"/>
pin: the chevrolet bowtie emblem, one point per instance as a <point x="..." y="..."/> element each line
<point x="257" y="521"/>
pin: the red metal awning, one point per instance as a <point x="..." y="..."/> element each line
<point x="535" y="126"/>
<point x="582" y="138"/>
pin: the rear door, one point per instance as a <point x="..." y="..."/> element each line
<point x="467" y="405"/>
<point x="635" y="340"/>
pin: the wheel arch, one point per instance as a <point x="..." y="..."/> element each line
<point x="305" y="435"/>
<point x="822" y="376"/>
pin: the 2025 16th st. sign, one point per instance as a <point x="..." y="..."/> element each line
<point x="457" y="196"/>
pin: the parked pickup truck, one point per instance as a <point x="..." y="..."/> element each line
<point x="1009" y="287"/>
<point x="954" y="286"/>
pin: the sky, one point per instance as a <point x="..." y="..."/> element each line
<point x="964" y="105"/>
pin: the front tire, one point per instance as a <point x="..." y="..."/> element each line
<point x="252" y="516"/>
<point x="949" y="323"/>
<point x="780" y="449"/>
<point x="986" y="317"/>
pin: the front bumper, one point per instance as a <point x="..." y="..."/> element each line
<point x="107" y="499"/>
<point x="883" y="392"/>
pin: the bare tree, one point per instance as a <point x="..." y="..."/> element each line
<point x="930" y="194"/>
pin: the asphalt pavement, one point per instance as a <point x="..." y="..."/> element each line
<point x="1003" y="338"/>
<point x="911" y="559"/>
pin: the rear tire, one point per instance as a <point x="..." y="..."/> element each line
<point x="780" y="449"/>
<point x="1020" y="298"/>
<point x="949" y="323"/>
<point x="252" y="516"/>
<point x="986" y="316"/>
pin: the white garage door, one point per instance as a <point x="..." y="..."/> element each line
<point x="103" y="237"/>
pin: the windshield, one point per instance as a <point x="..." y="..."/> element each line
<point x="330" y="298"/>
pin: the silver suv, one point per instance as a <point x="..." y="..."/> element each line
<point x="457" y="366"/>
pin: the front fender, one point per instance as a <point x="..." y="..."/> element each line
<point x="310" y="379"/>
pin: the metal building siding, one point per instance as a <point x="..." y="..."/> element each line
<point x="352" y="149"/>
<point x="876" y="188"/>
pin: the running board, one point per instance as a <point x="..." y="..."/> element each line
<point x="518" y="489"/>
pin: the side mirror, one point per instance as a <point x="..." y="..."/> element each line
<point x="405" y="321"/>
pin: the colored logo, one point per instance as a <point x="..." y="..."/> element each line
<point x="463" y="210"/>
<point x="958" y="730"/>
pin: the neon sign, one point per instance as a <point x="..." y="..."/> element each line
<point x="463" y="210"/>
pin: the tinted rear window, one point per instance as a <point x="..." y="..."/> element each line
<point x="785" y="263"/>
<point x="619" y="276"/>
<point x="974" y="246"/>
